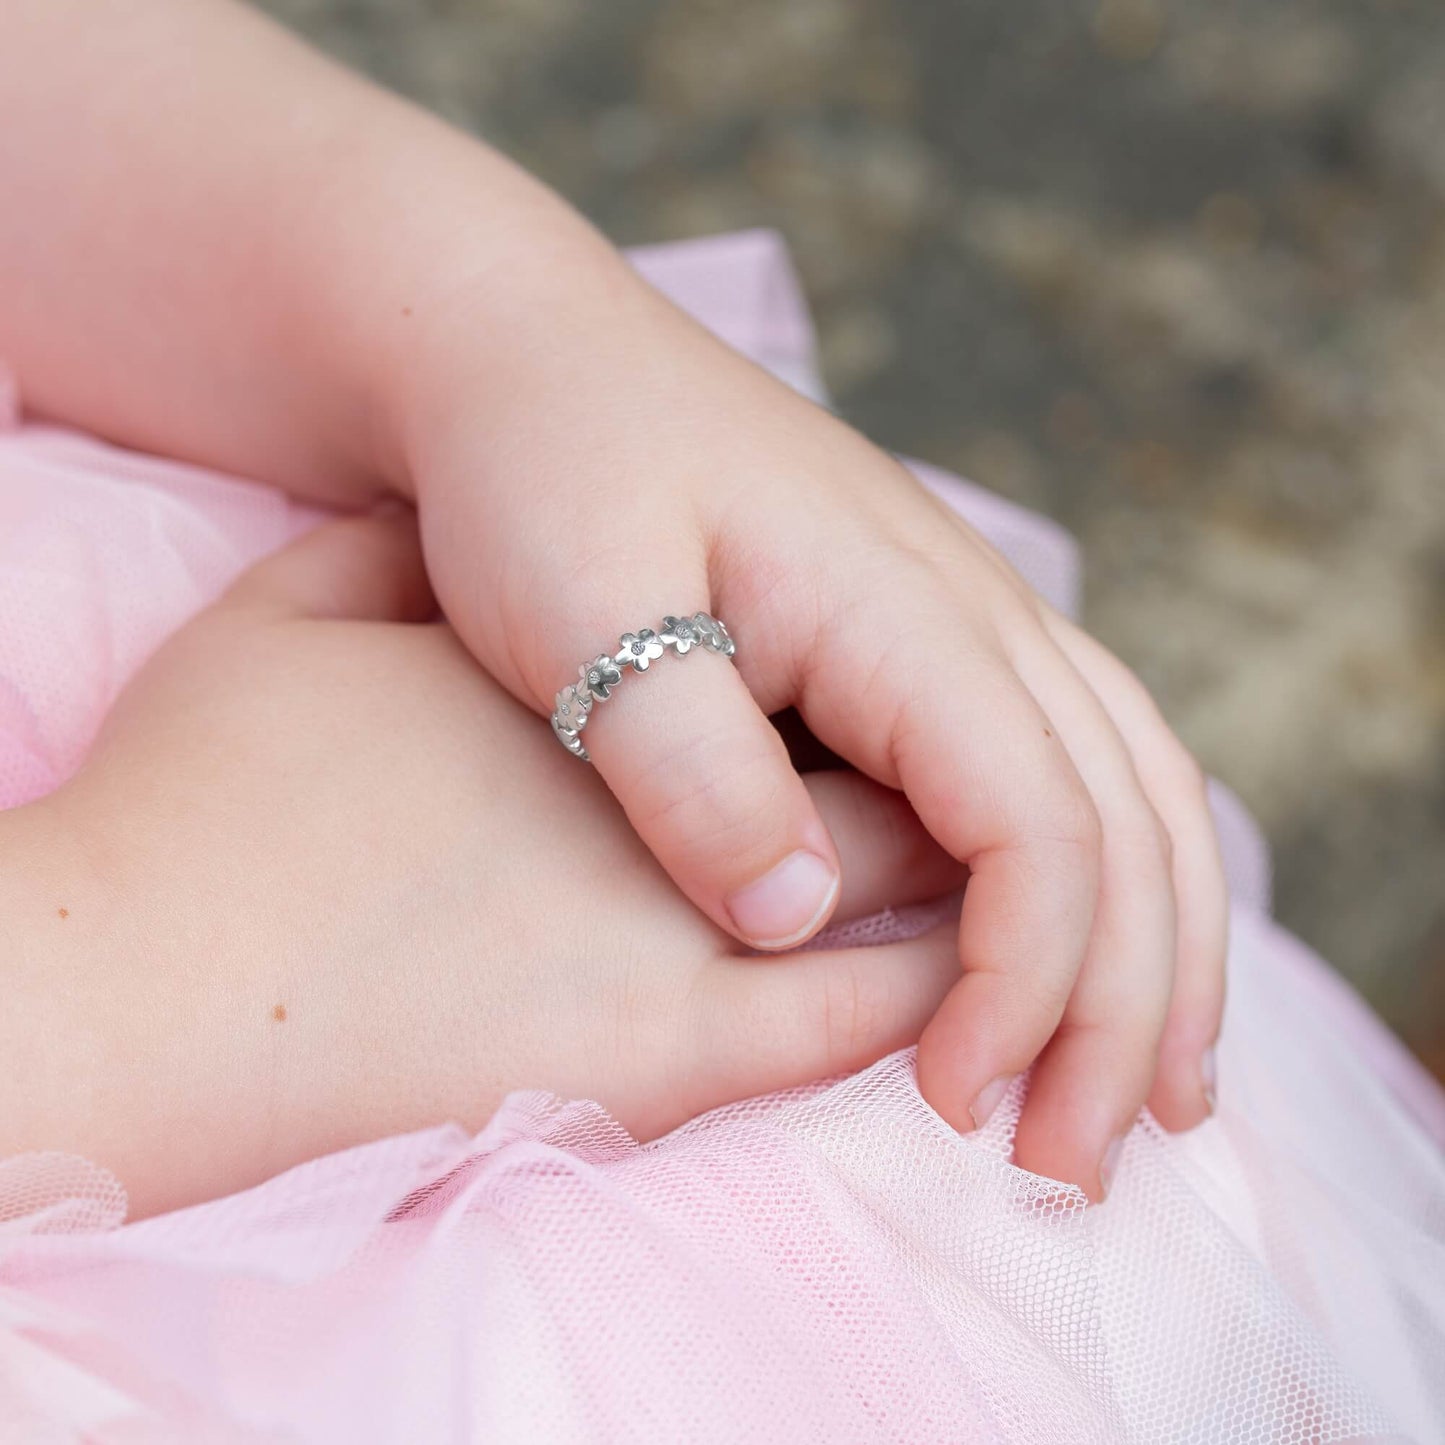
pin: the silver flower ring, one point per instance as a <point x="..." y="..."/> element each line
<point x="636" y="651"/>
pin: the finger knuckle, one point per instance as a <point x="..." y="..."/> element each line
<point x="1154" y="837"/>
<point x="1026" y="1010"/>
<point x="1187" y="775"/>
<point x="853" y="1018"/>
<point x="1037" y="1013"/>
<point x="1077" y="821"/>
<point x="1129" y="1043"/>
<point x="1138" y="838"/>
<point x="1163" y="841"/>
<point x="724" y="806"/>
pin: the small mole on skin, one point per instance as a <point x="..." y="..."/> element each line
<point x="63" y="912"/>
<point x="406" y="310"/>
<point x="1048" y="733"/>
<point x="279" y="1013"/>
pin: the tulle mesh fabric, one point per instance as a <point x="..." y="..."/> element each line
<point x="828" y="1264"/>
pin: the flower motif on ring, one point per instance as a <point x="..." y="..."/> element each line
<point x="573" y="705"/>
<point x="569" y="739"/>
<point x="681" y="632"/>
<point x="600" y="677"/>
<point x="712" y="634"/>
<point x="638" y="649"/>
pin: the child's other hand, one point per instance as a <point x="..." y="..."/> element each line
<point x="313" y="284"/>
<point x="629" y="466"/>
<point x="323" y="880"/>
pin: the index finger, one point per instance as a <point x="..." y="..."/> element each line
<point x="995" y="786"/>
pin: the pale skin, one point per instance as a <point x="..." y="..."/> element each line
<point x="237" y="253"/>
<point x="216" y="971"/>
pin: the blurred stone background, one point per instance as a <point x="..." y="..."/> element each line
<point x="1170" y="270"/>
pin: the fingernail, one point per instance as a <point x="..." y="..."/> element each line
<point x="1110" y="1164"/>
<point x="783" y="906"/>
<point x="988" y="1099"/>
<point x="1209" y="1076"/>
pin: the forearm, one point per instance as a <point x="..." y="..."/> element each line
<point x="219" y="246"/>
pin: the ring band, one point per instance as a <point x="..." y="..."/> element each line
<point x="637" y="650"/>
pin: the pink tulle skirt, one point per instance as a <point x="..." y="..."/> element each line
<point x="832" y="1264"/>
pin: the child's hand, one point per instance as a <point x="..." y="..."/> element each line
<point x="632" y="467"/>
<point x="311" y="283"/>
<point x="322" y="880"/>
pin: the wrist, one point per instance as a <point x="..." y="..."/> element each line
<point x="494" y="355"/>
<point x="433" y="265"/>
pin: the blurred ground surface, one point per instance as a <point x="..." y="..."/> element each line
<point x="1173" y="273"/>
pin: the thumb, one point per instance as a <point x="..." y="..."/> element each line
<point x="706" y="781"/>
<point x="361" y="568"/>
